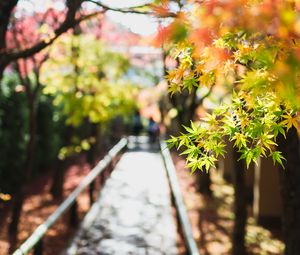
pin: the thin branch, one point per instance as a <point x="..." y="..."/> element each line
<point x="36" y="71"/>
<point x="18" y="69"/>
<point x="24" y="80"/>
<point x="43" y="44"/>
<point x="70" y="22"/>
<point x="125" y="10"/>
<point x="132" y="10"/>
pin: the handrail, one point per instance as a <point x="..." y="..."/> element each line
<point x="41" y="230"/>
<point x="178" y="200"/>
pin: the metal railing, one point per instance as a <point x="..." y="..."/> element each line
<point x="178" y="201"/>
<point x="35" y="240"/>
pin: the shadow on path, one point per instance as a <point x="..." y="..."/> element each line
<point x="133" y="214"/>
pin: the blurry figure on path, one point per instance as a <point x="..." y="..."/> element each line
<point x="137" y="123"/>
<point x="153" y="130"/>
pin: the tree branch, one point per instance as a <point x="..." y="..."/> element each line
<point x="36" y="71"/>
<point x="70" y="21"/>
<point x="125" y="10"/>
<point x="43" y="44"/>
<point x="6" y="8"/>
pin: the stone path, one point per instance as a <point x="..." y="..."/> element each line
<point x="133" y="214"/>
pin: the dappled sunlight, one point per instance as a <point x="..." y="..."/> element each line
<point x="95" y="93"/>
<point x="212" y="218"/>
<point x="39" y="205"/>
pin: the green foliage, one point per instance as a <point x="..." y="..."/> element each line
<point x="78" y="145"/>
<point x="251" y="123"/>
<point x="85" y="79"/>
<point x="87" y="82"/>
<point x="50" y="130"/>
<point x="258" y="112"/>
<point x="13" y="134"/>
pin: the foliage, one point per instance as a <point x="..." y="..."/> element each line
<point x="252" y="124"/>
<point x="50" y="130"/>
<point x="85" y="79"/>
<point x="14" y="134"/>
<point x="252" y="47"/>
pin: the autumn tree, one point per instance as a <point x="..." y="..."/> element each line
<point x="88" y="89"/>
<point x="252" y="47"/>
<point x="24" y="34"/>
<point x="28" y="71"/>
<point x="73" y="14"/>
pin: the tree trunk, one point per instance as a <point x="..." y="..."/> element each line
<point x="240" y="207"/>
<point x="57" y="186"/>
<point x="186" y="106"/>
<point x="58" y="180"/>
<point x="91" y="153"/>
<point x="16" y="211"/>
<point x="203" y="183"/>
<point x="59" y="172"/>
<point x="1" y="76"/>
<point x="6" y="8"/>
<point x="32" y="137"/>
<point x="290" y="192"/>
<point x="91" y="158"/>
<point x="25" y="178"/>
<point x="16" y="214"/>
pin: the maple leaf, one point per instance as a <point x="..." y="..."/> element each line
<point x="171" y="75"/>
<point x="277" y="157"/>
<point x="199" y="68"/>
<point x="174" y="87"/>
<point x="240" y="140"/>
<point x="291" y="120"/>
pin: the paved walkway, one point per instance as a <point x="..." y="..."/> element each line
<point x="133" y="214"/>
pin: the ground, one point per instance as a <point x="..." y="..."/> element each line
<point x="39" y="205"/>
<point x="211" y="218"/>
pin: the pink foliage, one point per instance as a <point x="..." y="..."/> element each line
<point x="27" y="30"/>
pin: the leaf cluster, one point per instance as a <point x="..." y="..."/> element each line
<point x="85" y="79"/>
<point x="251" y="123"/>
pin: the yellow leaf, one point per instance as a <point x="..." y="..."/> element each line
<point x="291" y="120"/>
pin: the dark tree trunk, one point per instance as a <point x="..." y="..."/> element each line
<point x="203" y="183"/>
<point x="186" y="106"/>
<point x="6" y="8"/>
<point x="91" y="158"/>
<point x="16" y="212"/>
<point x="59" y="172"/>
<point x="20" y="194"/>
<point x="290" y="192"/>
<point x="240" y="207"/>
<point x="32" y="137"/>
<point x="1" y="76"/>
<point x="91" y="154"/>
<point x="58" y="179"/>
